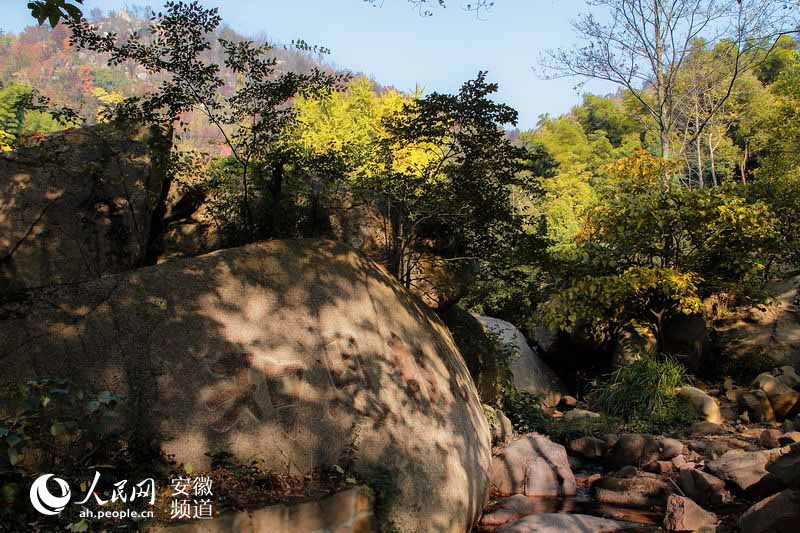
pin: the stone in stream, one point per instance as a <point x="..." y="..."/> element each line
<point x="530" y="372"/>
<point x="563" y="523"/>
<point x="579" y="414"/>
<point x="778" y="513"/>
<point x="642" y="490"/>
<point x="683" y="514"/>
<point x="787" y="467"/>
<point x="532" y="465"/>
<point x="781" y="397"/>
<point x="297" y="352"/>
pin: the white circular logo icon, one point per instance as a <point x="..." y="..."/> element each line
<point x="47" y="503"/>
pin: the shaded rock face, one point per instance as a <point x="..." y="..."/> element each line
<point x="688" y="336"/>
<point x="779" y="512"/>
<point x="478" y="351"/>
<point x="703" y="488"/>
<point x="348" y="511"/>
<point x="530" y="372"/>
<point x="80" y="204"/>
<point x="773" y="331"/>
<point x="534" y="466"/>
<point x="296" y="352"/>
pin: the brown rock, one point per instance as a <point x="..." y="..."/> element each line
<point x="532" y="465"/>
<point x="348" y="511"/>
<point x="642" y="490"/>
<point x="789" y="438"/>
<point x="748" y="470"/>
<point x="588" y="447"/>
<point x="684" y="515"/>
<point x="708" y="428"/>
<point x="777" y="513"/>
<point x="79" y="204"/>
<point x="769" y="438"/>
<point x="788" y="376"/>
<point x="669" y="448"/>
<point x="757" y="405"/>
<point x="678" y="461"/>
<point x="781" y="396"/>
<point x="634" y="449"/>
<point x="787" y="467"/>
<point x="703" y="488"/>
<point x="568" y="402"/>
<point x="296" y="352"/>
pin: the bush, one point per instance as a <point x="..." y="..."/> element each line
<point x="642" y="391"/>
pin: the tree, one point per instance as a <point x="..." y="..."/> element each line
<point x="642" y="45"/>
<point x="447" y="187"/>
<point x="53" y="11"/>
<point x="250" y="118"/>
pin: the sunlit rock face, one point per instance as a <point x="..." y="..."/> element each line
<point x="531" y="374"/>
<point x="79" y="204"/>
<point x="301" y="353"/>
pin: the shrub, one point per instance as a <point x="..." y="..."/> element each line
<point x="643" y="391"/>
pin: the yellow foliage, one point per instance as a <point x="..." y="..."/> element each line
<point x="109" y="101"/>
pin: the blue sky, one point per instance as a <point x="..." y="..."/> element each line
<point x="397" y="47"/>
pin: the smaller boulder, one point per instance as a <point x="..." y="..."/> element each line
<point x="634" y="449"/>
<point x="787" y="467"/>
<point x="781" y="397"/>
<point x="757" y="405"/>
<point x="568" y="402"/>
<point x="788" y="376"/>
<point x="669" y="448"/>
<point x="769" y="438"/>
<point x="588" y="447"/>
<point x="642" y="490"/>
<point x="532" y="465"/>
<point x="500" y="426"/>
<point x="578" y="414"/>
<point x="789" y="438"/>
<point x="702" y="404"/>
<point x="779" y="512"/>
<point x="684" y="515"/>
<point x="703" y="488"/>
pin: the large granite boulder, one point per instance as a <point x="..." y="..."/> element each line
<point x="530" y="372"/>
<point x="79" y="204"/>
<point x="301" y="353"/>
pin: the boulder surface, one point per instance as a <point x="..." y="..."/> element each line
<point x="300" y="353"/>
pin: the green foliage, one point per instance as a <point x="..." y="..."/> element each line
<point x="639" y="293"/>
<point x="20" y="115"/>
<point x="53" y="426"/>
<point x="643" y="392"/>
<point x="53" y="11"/>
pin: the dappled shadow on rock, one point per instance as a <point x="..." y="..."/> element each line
<point x="300" y="353"/>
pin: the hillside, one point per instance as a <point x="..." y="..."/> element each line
<point x="42" y="58"/>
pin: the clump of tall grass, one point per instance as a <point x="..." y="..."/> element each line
<point x="643" y="390"/>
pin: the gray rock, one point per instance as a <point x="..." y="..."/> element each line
<point x="703" y="488"/>
<point x="634" y="449"/>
